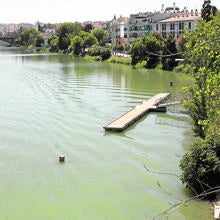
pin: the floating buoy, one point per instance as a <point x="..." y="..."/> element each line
<point x="61" y="158"/>
<point x="171" y="83"/>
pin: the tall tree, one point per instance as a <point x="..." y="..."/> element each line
<point x="65" y="31"/>
<point x="53" y="42"/>
<point x="28" y="37"/>
<point x="169" y="50"/>
<point x="76" y="45"/>
<point x="88" y="39"/>
<point x="208" y="10"/>
<point x="100" y="33"/>
<point x="203" y="52"/>
<point x="88" y="28"/>
<point x="201" y="165"/>
<point x="146" y="49"/>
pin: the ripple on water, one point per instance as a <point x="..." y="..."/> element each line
<point x="51" y="107"/>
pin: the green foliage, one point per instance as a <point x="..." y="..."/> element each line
<point x="208" y="10"/>
<point x="100" y="33"/>
<point x="203" y="55"/>
<point x="120" y="60"/>
<point x="199" y="166"/>
<point x="88" y="28"/>
<point x="93" y="58"/>
<point x="76" y="45"/>
<point x="168" y="61"/>
<point x="158" y="35"/>
<point x="141" y="65"/>
<point x="183" y="68"/>
<point x="203" y="46"/>
<point x="68" y="28"/>
<point x="66" y="31"/>
<point x="146" y="49"/>
<point x="88" y="39"/>
<point x="39" y="41"/>
<point x="102" y="52"/>
<point x="118" y="47"/>
<point x="53" y="42"/>
<point x="28" y="37"/>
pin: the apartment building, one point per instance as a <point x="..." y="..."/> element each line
<point x="168" y="21"/>
<point x="175" y="25"/>
<point x="138" y="26"/>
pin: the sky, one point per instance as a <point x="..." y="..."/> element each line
<point x="57" y="11"/>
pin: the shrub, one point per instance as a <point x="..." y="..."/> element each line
<point x="141" y="65"/>
<point x="199" y="166"/>
<point x="121" y="60"/>
<point x="104" y="53"/>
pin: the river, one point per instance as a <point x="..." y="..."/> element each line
<point x="54" y="105"/>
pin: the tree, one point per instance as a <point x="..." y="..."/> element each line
<point x="39" y="41"/>
<point x="88" y="28"/>
<point x="53" y="42"/>
<point x="201" y="166"/>
<point x="28" y="37"/>
<point x="119" y="47"/>
<point x="68" y="28"/>
<point x="181" y="42"/>
<point x="168" y="62"/>
<point x="146" y="49"/>
<point x="208" y="10"/>
<point x="102" y="52"/>
<point x="203" y="53"/>
<point x="100" y="34"/>
<point x="88" y="39"/>
<point x="66" y="31"/>
<point x="76" y="45"/>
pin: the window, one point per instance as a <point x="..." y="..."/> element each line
<point x="190" y="25"/>
<point x="163" y="27"/>
<point x="164" y="34"/>
<point x="157" y="27"/>
<point x="172" y="33"/>
<point x="181" y="26"/>
<point x="172" y="26"/>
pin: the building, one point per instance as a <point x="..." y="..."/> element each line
<point x="138" y="26"/>
<point x="175" y="25"/>
<point x="168" y="21"/>
<point x="120" y="31"/>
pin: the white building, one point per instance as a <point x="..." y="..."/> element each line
<point x="120" y="31"/>
<point x="175" y="25"/>
<point x="168" y="21"/>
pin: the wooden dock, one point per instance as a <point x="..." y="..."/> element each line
<point x="136" y="113"/>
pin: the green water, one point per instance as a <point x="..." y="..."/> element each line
<point x="54" y="105"/>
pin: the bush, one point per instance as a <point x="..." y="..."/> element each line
<point x="104" y="53"/>
<point x="141" y="65"/>
<point x="199" y="166"/>
<point x="183" y="68"/>
<point x="93" y="58"/>
<point x="121" y="60"/>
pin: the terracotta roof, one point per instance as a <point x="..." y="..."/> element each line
<point x="182" y="18"/>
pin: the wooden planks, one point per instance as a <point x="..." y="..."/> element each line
<point x="136" y="113"/>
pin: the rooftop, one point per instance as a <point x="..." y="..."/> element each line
<point x="183" y="17"/>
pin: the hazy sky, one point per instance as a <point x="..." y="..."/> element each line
<point x="55" y="11"/>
